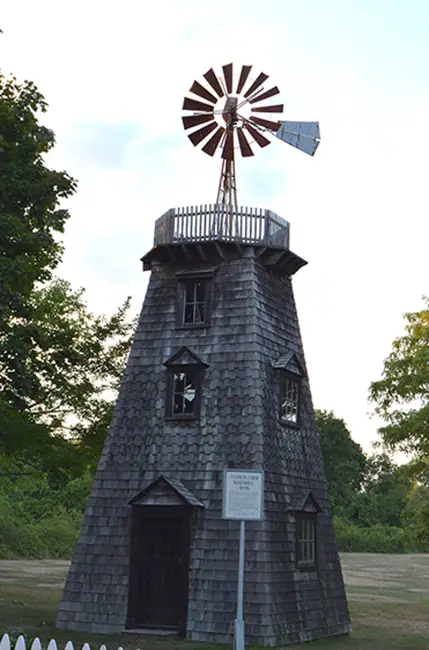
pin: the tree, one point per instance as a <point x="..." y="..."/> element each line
<point x="416" y="518"/>
<point x="384" y="495"/>
<point x="59" y="364"/>
<point x="401" y="396"/>
<point x="70" y="366"/>
<point x="343" y="458"/>
<point x="30" y="220"/>
<point x="30" y="196"/>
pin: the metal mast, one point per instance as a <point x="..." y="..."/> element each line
<point x="227" y="191"/>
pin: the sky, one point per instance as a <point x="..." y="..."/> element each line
<point x="114" y="75"/>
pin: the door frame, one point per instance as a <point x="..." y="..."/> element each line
<point x="138" y="513"/>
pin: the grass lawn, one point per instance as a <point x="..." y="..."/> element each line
<point x="388" y="598"/>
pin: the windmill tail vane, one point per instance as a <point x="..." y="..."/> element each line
<point x="230" y="116"/>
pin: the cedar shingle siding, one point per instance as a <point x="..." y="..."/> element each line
<point x="253" y="323"/>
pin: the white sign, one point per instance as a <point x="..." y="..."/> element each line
<point x="243" y="494"/>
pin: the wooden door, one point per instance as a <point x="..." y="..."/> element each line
<point x="159" y="571"/>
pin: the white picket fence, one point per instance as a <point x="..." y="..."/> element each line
<point x="5" y="644"/>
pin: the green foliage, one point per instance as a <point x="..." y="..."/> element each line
<point x="384" y="496"/>
<point x="416" y="519"/>
<point x="70" y="369"/>
<point x="30" y="196"/>
<point x="29" y="447"/>
<point x="74" y="361"/>
<point x="39" y="521"/>
<point x="60" y="365"/>
<point x="344" y="460"/>
<point x="402" y="394"/>
<point x="378" y="507"/>
<point x="380" y="538"/>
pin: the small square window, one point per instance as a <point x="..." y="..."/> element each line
<point x="306" y="540"/>
<point x="193" y="302"/>
<point x="289" y="400"/>
<point x="183" y="392"/>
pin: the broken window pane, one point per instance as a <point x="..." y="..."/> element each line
<point x="184" y="393"/>
<point x="289" y="401"/>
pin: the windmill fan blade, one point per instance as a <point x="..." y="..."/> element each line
<point x="258" y="81"/>
<point x="278" y="108"/>
<point x="267" y="124"/>
<point x="257" y="136"/>
<point x="245" y="71"/>
<point x="193" y="105"/>
<point x="198" y="89"/>
<point x="227" y="73"/>
<point x="211" y="146"/>
<point x="197" y="136"/>
<point x="305" y="136"/>
<point x="214" y="82"/>
<point x="228" y="145"/>
<point x="266" y="95"/>
<point x="190" y="121"/>
<point x="245" y="149"/>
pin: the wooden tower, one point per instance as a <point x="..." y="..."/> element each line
<point x="216" y="378"/>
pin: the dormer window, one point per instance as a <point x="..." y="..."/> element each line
<point x="184" y="392"/>
<point x="306" y="539"/>
<point x="194" y="298"/>
<point x="184" y="380"/>
<point x="305" y="510"/>
<point x="291" y="372"/>
<point x="289" y="400"/>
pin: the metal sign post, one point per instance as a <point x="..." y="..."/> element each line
<point x="243" y="499"/>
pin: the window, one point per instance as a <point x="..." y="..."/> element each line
<point x="194" y="298"/>
<point x="183" y="392"/>
<point x="289" y="400"/>
<point x="184" y="376"/>
<point x="194" y="302"/>
<point x="306" y="540"/>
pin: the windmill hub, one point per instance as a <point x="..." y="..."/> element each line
<point x="229" y="113"/>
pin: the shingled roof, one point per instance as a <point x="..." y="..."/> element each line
<point x="174" y="484"/>
<point x="290" y="362"/>
<point x="304" y="501"/>
<point x="185" y="357"/>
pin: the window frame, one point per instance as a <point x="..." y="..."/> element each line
<point x="300" y="518"/>
<point x="290" y="377"/>
<point x="193" y="276"/>
<point x="169" y="404"/>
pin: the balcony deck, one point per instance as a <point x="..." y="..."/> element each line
<point x="205" y="234"/>
<point x="204" y="223"/>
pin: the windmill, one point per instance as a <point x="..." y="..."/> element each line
<point x="216" y="378"/>
<point x="231" y="114"/>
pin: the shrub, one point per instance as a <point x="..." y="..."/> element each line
<point x="380" y="538"/>
<point x="38" y="521"/>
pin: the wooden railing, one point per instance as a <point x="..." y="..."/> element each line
<point x="222" y="223"/>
